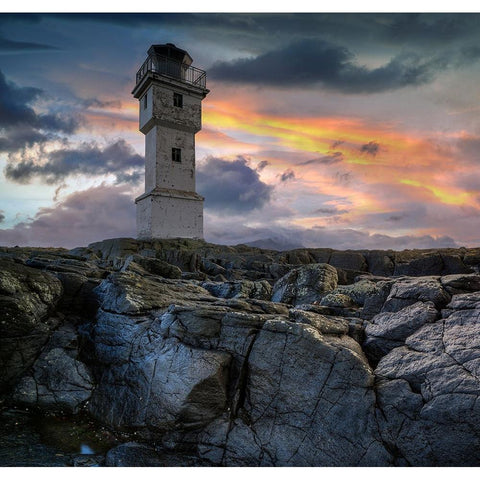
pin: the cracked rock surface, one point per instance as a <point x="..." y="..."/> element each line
<point x="202" y="354"/>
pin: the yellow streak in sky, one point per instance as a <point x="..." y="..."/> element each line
<point x="454" y="198"/>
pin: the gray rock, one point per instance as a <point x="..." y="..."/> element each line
<point x="164" y="385"/>
<point x="348" y="260"/>
<point x="407" y="291"/>
<point x="131" y="294"/>
<point x="453" y="264"/>
<point x="374" y="303"/>
<point x="428" y="393"/>
<point x="89" y="461"/>
<point x="113" y="251"/>
<point x="305" y="284"/>
<point x="296" y="409"/>
<point x="261" y="290"/>
<point x="337" y="299"/>
<point x="211" y="268"/>
<point x="324" y="324"/>
<point x="465" y="301"/>
<point x="390" y="329"/>
<point x="380" y="262"/>
<point x="27" y="300"/>
<point x="359" y="291"/>
<point x="153" y="266"/>
<point x="427" y="264"/>
<point x="59" y="382"/>
<point x="132" y="454"/>
<point x="454" y="284"/>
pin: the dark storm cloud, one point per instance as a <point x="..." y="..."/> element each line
<point x="118" y="158"/>
<point x="370" y="148"/>
<point x="12" y="46"/>
<point x="416" y="29"/>
<point x="16" y="109"/>
<point x="21" y="137"/>
<point x="330" y="159"/>
<point x="288" y="174"/>
<point x="231" y="186"/>
<point x="15" y="103"/>
<point x="20" y="125"/>
<point x="310" y="62"/>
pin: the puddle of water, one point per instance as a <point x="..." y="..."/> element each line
<point x="86" y="450"/>
<point x="74" y="434"/>
<point x="34" y="439"/>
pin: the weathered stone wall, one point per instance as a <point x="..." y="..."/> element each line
<point x="169" y="215"/>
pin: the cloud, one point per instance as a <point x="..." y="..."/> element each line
<point x="370" y="148"/>
<point x="337" y="143"/>
<point x="12" y="46"/>
<point x="20" y="125"/>
<point x="395" y="218"/>
<point x="230" y="232"/>
<point x="231" y="186"/>
<point x="2" y="216"/>
<point x="288" y="174"/>
<point x="89" y="159"/>
<point x="328" y="211"/>
<point x="421" y="28"/>
<point x="262" y="165"/>
<point x="313" y="61"/>
<point x="397" y="28"/>
<point x="330" y="159"/>
<point x="81" y="218"/>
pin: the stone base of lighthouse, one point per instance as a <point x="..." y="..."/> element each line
<point x="164" y="213"/>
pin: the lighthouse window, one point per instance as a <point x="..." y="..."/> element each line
<point x="176" y="155"/>
<point x="178" y="100"/>
<point x="145" y="102"/>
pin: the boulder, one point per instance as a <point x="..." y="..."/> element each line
<point x="27" y="301"/>
<point x="113" y="252"/>
<point x="427" y="393"/>
<point x="132" y="294"/>
<point x="461" y="283"/>
<point x="261" y="290"/>
<point x="359" y="291"/>
<point x="380" y="262"/>
<point x="296" y="410"/>
<point x="407" y="291"/>
<point x="348" y="261"/>
<point x="305" y="284"/>
<point x="427" y="264"/>
<point x="164" y="385"/>
<point x="339" y="300"/>
<point x="59" y="382"/>
<point x="153" y="266"/>
<point x="390" y="329"/>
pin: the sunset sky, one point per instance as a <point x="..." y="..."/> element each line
<point x="320" y="130"/>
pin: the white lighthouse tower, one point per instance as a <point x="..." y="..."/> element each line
<point x="170" y="93"/>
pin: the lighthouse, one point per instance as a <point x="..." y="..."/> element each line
<point x="170" y="93"/>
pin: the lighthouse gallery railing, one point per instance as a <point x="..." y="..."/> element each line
<point x="179" y="71"/>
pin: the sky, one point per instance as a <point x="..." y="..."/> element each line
<point x="348" y="131"/>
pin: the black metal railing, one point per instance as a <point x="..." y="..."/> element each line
<point x="171" y="68"/>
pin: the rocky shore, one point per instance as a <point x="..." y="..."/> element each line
<point x="189" y="353"/>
